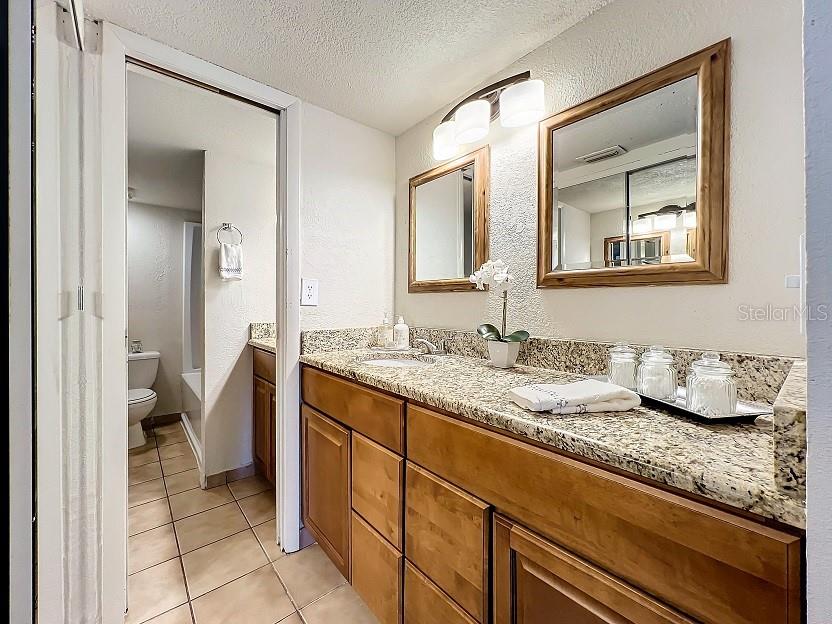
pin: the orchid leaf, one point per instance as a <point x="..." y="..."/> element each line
<point x="518" y="336"/>
<point x="488" y="331"/>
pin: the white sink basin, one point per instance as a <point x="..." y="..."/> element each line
<point x="395" y="361"/>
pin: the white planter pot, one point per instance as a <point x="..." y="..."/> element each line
<point x="503" y="354"/>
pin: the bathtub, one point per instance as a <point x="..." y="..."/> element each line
<point x="192" y="409"/>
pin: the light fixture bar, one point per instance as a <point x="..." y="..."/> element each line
<point x="491" y="93"/>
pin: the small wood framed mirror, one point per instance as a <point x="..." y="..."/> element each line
<point x="632" y="185"/>
<point x="449" y="224"/>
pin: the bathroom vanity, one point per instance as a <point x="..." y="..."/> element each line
<point x="443" y="502"/>
<point x="265" y="401"/>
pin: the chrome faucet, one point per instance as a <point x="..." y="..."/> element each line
<point x="429" y="347"/>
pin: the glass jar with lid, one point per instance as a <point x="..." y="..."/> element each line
<point x="621" y="368"/>
<point x="656" y="376"/>
<point x="711" y="389"/>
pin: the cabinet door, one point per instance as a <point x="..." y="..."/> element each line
<point x="326" y="485"/>
<point x="262" y="426"/>
<point x="272" y="471"/>
<point x="537" y="582"/>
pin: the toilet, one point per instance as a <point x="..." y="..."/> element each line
<point x="141" y="373"/>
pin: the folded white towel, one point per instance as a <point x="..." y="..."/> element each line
<point x="231" y="261"/>
<point x="578" y="397"/>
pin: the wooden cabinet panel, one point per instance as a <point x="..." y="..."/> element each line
<point x="535" y="579"/>
<point x="710" y="564"/>
<point x="263" y="428"/>
<point x="272" y="471"/>
<point x="377" y="481"/>
<point x="264" y="364"/>
<point x="425" y="603"/>
<point x="377" y="572"/>
<point x="378" y="416"/>
<point x="447" y="537"/>
<point x="326" y="485"/>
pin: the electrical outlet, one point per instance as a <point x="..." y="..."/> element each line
<point x="308" y="292"/>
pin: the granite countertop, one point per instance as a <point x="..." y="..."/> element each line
<point x="729" y="463"/>
<point x="790" y="433"/>
<point x="266" y="344"/>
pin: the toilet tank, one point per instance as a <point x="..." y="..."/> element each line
<point x="141" y="369"/>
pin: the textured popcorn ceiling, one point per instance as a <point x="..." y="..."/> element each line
<point x="387" y="64"/>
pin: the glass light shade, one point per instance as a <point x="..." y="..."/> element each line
<point x="643" y="225"/>
<point x="521" y="104"/>
<point x="665" y="221"/>
<point x="472" y="121"/>
<point x="689" y="219"/>
<point x="444" y="143"/>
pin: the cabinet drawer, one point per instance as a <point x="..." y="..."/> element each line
<point x="376" y="572"/>
<point x="534" y="578"/>
<point x="708" y="563"/>
<point x="377" y="479"/>
<point x="378" y="416"/>
<point x="326" y="485"/>
<point x="425" y="603"/>
<point x="264" y="365"/>
<point x="447" y="537"/>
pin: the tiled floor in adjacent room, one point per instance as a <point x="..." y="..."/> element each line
<point x="209" y="556"/>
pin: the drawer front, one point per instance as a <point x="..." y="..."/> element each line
<point x="534" y="578"/>
<point x="326" y="485"/>
<point x="378" y="416"/>
<point x="377" y="480"/>
<point x="425" y="603"/>
<point x="447" y="537"/>
<point x="377" y="572"/>
<point x="264" y="365"/>
<point x="705" y="562"/>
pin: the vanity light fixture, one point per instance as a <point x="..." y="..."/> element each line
<point x="665" y="221"/>
<point x="517" y="100"/>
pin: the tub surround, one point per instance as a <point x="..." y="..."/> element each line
<point x="731" y="464"/>
<point x="790" y="434"/>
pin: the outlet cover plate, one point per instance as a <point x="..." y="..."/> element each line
<point x="308" y="292"/>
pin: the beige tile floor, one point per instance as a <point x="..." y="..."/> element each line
<point x="209" y="556"/>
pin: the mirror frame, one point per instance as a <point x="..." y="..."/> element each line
<point x="481" y="159"/>
<point x="711" y="67"/>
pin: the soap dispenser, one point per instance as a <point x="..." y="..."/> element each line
<point x="385" y="333"/>
<point x="401" y="334"/>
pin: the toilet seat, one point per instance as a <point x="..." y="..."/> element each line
<point x="140" y="395"/>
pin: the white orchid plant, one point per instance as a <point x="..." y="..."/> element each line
<point x="494" y="274"/>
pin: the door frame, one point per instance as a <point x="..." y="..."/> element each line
<point x="117" y="45"/>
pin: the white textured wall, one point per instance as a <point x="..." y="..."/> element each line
<point x="346" y="220"/>
<point x="818" y="77"/>
<point x="243" y="193"/>
<point x="620" y="42"/>
<point x="154" y="295"/>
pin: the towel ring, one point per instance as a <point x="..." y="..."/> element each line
<point x="227" y="227"/>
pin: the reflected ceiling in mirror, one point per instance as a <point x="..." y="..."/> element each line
<point x="621" y="199"/>
<point x="627" y="173"/>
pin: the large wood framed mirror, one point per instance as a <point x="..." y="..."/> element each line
<point x="633" y="183"/>
<point x="449" y="224"/>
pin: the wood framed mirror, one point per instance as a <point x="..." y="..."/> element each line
<point x="632" y="185"/>
<point x="449" y="224"/>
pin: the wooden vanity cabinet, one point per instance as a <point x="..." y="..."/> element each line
<point x="265" y="414"/>
<point x="455" y="523"/>
<point x="326" y="485"/>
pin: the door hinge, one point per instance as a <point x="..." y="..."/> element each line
<point x="80" y="298"/>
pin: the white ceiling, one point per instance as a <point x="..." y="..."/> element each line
<point x="387" y="64"/>
<point x="169" y="126"/>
